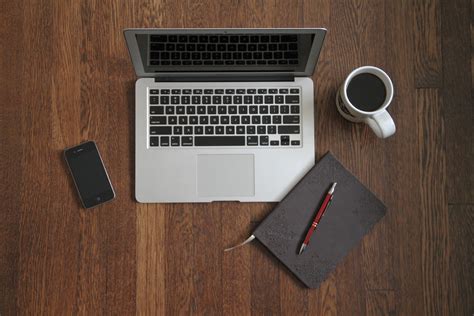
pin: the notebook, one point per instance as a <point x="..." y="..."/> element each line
<point x="353" y="212"/>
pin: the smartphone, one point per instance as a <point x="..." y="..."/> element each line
<point x="89" y="174"/>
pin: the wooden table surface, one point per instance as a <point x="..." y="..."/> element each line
<point x="66" y="77"/>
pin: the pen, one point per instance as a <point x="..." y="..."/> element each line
<point x="322" y="209"/>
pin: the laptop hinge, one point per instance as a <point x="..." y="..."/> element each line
<point x="227" y="78"/>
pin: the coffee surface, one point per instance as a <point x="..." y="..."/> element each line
<point x="366" y="92"/>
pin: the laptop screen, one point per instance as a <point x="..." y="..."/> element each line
<point x="174" y="51"/>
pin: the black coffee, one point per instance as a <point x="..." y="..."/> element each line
<point x="366" y="92"/>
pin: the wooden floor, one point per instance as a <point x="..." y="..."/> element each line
<point x="66" y="77"/>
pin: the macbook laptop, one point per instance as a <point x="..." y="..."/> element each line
<point x="222" y="114"/>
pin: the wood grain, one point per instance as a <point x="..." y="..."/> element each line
<point x="66" y="77"/>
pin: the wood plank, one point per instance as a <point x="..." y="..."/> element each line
<point x="381" y="302"/>
<point x="11" y="17"/>
<point x="402" y="185"/>
<point x="461" y="264"/>
<point x="457" y="99"/>
<point x="427" y="43"/>
<point x="179" y="282"/>
<point x="434" y="207"/>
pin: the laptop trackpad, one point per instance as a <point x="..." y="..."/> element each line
<point x="225" y="175"/>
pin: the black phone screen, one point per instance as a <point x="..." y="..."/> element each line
<point x="89" y="174"/>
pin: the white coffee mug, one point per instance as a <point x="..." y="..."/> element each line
<point x="379" y="120"/>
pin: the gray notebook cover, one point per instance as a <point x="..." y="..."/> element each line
<point x="353" y="212"/>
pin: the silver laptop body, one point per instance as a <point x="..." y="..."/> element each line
<point x="222" y="114"/>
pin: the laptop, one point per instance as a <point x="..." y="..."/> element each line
<point x="222" y="114"/>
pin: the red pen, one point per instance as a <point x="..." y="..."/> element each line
<point x="322" y="209"/>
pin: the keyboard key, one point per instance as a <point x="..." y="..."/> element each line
<point x="268" y="99"/>
<point x="240" y="91"/>
<point x="206" y="99"/>
<point x="227" y="99"/>
<point x="240" y="129"/>
<point x="266" y="119"/>
<point x="263" y="140"/>
<point x="255" y="119"/>
<point x="258" y="99"/>
<point x="209" y="129"/>
<point x="284" y="109"/>
<point x="193" y="120"/>
<point x="175" y="99"/>
<point x="174" y="141"/>
<point x="251" y="129"/>
<point x="180" y="110"/>
<point x="165" y="141"/>
<point x="201" y="109"/>
<point x="271" y="129"/>
<point x="164" y="99"/>
<point x="186" y="140"/>
<point x="187" y="91"/>
<point x="188" y="130"/>
<point x="273" y="91"/>
<point x="232" y="109"/>
<point x="288" y="129"/>
<point x="154" y="141"/>
<point x="242" y="109"/>
<point x="285" y="140"/>
<point x="283" y="91"/>
<point x="252" y="140"/>
<point x="208" y="91"/>
<point x="274" y="109"/>
<point x="219" y="91"/>
<point x="165" y="91"/>
<point x="157" y="120"/>
<point x="211" y="109"/>
<point x="219" y="129"/>
<point x="248" y="99"/>
<point x="291" y="119"/>
<point x="251" y="91"/>
<point x="198" y="130"/>
<point x="170" y="110"/>
<point x="204" y="120"/>
<point x="154" y="91"/>
<point x="176" y="91"/>
<point x="219" y="141"/>
<point x="154" y="100"/>
<point x="276" y="119"/>
<point x="222" y="109"/>
<point x="230" y="129"/>
<point x="157" y="110"/>
<point x="295" y="109"/>
<point x="237" y="99"/>
<point x="196" y="99"/>
<point x="224" y="119"/>
<point x="214" y="119"/>
<point x="294" y="91"/>
<point x="197" y="91"/>
<point x="253" y="109"/>
<point x="245" y="119"/>
<point x="292" y="99"/>
<point x="178" y="130"/>
<point x="278" y="99"/>
<point x="185" y="99"/>
<point x="235" y="119"/>
<point x="275" y="143"/>
<point x="263" y="109"/>
<point x="295" y="142"/>
<point x="261" y="129"/>
<point x="262" y="91"/>
<point x="190" y="109"/>
<point x="172" y="120"/>
<point x="229" y="91"/>
<point x="217" y="99"/>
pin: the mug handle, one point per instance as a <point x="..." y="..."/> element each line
<point x="382" y="124"/>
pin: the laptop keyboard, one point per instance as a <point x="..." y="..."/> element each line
<point x="267" y="117"/>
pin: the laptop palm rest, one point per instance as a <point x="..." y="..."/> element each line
<point x="225" y="175"/>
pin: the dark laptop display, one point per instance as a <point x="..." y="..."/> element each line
<point x="269" y="52"/>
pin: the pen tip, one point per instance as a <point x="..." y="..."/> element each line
<point x="303" y="246"/>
